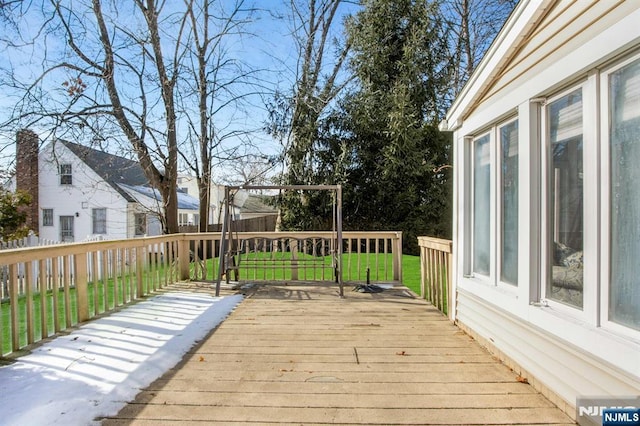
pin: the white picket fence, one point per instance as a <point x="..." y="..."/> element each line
<point x="28" y="241"/>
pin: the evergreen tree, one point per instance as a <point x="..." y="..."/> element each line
<point x="401" y="62"/>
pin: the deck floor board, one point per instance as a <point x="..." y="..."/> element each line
<point x="298" y="354"/>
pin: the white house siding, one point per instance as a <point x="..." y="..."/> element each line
<point x="546" y="47"/>
<point x="86" y="192"/>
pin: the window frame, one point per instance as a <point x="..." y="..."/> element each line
<point x="66" y="174"/>
<point x="138" y="226"/>
<point x="95" y="221"/>
<point x="590" y="246"/>
<point x="605" y="201"/>
<point x="499" y="216"/>
<point x="47" y="214"/>
<point x="493" y="279"/>
<point x="488" y="278"/>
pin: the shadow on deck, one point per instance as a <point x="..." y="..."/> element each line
<point x="298" y="354"/>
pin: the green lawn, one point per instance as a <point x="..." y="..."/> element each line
<point x="96" y="298"/>
<point x="411" y="272"/>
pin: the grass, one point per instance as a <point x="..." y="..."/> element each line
<point x="411" y="272"/>
<point x="354" y="269"/>
<point x="96" y="298"/>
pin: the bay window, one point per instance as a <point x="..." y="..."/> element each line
<point x="583" y="189"/>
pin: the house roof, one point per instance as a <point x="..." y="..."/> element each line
<point x="185" y="201"/>
<point x="113" y="169"/>
<point x="515" y="33"/>
<point x="257" y="204"/>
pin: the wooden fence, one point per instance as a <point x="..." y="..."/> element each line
<point x="436" y="271"/>
<point x="49" y="289"/>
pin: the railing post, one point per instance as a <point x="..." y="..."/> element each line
<point x="183" y="258"/>
<point x="13" y="301"/>
<point x="140" y="270"/>
<point x="80" y="278"/>
<point x="294" y="259"/>
<point x="423" y="271"/>
<point x="451" y="299"/>
<point x="397" y="257"/>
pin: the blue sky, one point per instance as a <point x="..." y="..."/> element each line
<point x="266" y="46"/>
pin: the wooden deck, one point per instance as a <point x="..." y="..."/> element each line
<point x="298" y="354"/>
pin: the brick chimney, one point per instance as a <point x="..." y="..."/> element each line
<point x="27" y="173"/>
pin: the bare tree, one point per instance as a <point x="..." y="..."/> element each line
<point x="149" y="70"/>
<point x="319" y="78"/>
<point x="214" y="83"/>
<point x="473" y="24"/>
<point x="251" y="169"/>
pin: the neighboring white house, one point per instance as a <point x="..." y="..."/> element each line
<point x="547" y="198"/>
<point x="245" y="204"/>
<point x="86" y="193"/>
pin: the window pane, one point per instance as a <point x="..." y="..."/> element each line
<point x="99" y="221"/>
<point x="481" y="205"/>
<point x="66" y="229"/>
<point x="566" y="200"/>
<point x="624" y="296"/>
<point x="65" y="174"/>
<point x="140" y="226"/>
<point x="509" y="188"/>
<point x="47" y="217"/>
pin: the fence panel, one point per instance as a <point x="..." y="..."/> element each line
<point x="435" y="272"/>
<point x="48" y="289"/>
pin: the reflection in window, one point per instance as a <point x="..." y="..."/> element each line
<point x="509" y="200"/>
<point x="624" y="297"/>
<point x="481" y="205"/>
<point x="566" y="200"/>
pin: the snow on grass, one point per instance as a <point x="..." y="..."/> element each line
<point x="95" y="370"/>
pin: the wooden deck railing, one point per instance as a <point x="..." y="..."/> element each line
<point x="435" y="271"/>
<point x="45" y="290"/>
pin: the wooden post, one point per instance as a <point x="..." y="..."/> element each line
<point x="42" y="284"/>
<point x="397" y="257"/>
<point x="139" y="271"/>
<point x="55" y="287"/>
<point x="13" y="298"/>
<point x="294" y="259"/>
<point x="423" y="271"/>
<point x="183" y="259"/>
<point x="95" y="277"/>
<point x="80" y="278"/>
<point x="66" y="265"/>
<point x="28" y="290"/>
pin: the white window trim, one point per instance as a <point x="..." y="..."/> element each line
<point x="65" y="174"/>
<point x="498" y="205"/>
<point x="486" y="279"/>
<point x="93" y="221"/>
<point x="605" y="229"/>
<point x="491" y="281"/>
<point x="588" y="311"/>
